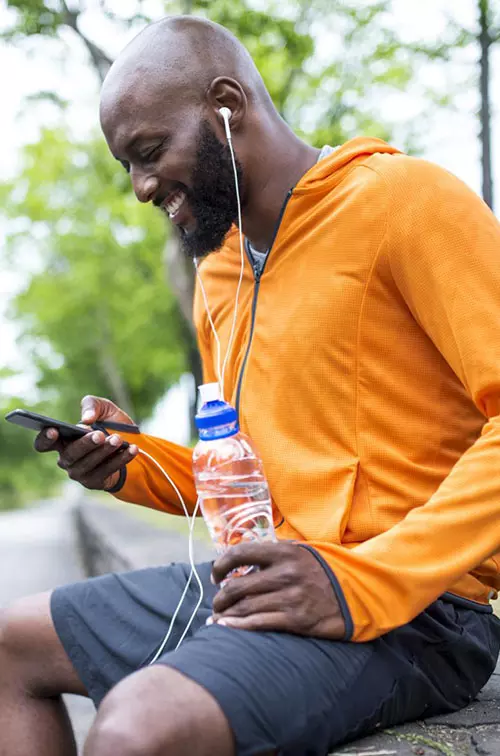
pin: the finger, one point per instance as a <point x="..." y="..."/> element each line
<point x="270" y="621"/>
<point x="87" y="464"/>
<point x="75" y="450"/>
<point x="48" y="440"/>
<point x="122" y="458"/>
<point x="260" y="554"/>
<point x="236" y="589"/>
<point x="275" y="601"/>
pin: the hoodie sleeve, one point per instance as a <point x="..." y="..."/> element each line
<point x="146" y="485"/>
<point x="444" y="250"/>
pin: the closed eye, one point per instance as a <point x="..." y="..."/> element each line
<point x="154" y="152"/>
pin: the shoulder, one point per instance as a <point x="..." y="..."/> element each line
<point x="414" y="179"/>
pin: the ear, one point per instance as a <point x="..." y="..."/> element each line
<point x="224" y="92"/>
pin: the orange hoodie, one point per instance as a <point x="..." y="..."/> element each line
<point x="366" y="367"/>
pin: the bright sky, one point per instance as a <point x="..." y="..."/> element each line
<point x="451" y="141"/>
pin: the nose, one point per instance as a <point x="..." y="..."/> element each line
<point x="145" y="187"/>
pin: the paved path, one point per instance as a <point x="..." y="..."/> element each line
<point x="37" y="552"/>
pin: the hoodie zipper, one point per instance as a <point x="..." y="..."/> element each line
<point x="257" y="277"/>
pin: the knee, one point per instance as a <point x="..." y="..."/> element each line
<point x="155" y="712"/>
<point x="112" y="734"/>
<point x="119" y="728"/>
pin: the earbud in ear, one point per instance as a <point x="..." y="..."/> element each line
<point x="226" y="117"/>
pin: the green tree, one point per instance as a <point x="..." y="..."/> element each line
<point x="23" y="474"/>
<point x="96" y="315"/>
<point x="366" y="54"/>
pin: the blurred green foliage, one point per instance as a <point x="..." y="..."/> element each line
<point x="24" y="475"/>
<point x="96" y="315"/>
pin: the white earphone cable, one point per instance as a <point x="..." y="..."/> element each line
<point x="191" y="521"/>
<point x="242" y="256"/>
<point x="221" y="374"/>
<point x="217" y="340"/>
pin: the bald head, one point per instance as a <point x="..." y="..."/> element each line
<point x="181" y="56"/>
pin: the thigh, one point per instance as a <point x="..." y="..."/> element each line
<point x="297" y="695"/>
<point x="112" y="625"/>
<point x="289" y="694"/>
<point x="30" y="648"/>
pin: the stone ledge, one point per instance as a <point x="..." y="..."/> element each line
<point x="110" y="540"/>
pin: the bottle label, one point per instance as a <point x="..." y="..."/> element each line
<point x="219" y="431"/>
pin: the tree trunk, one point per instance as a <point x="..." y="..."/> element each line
<point x="195" y="368"/>
<point x="100" y="60"/>
<point x="485" y="42"/>
<point x="119" y="390"/>
<point x="111" y="371"/>
<point x="181" y="278"/>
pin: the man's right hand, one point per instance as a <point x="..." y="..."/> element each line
<point x="95" y="460"/>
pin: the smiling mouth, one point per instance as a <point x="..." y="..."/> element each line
<point x="173" y="204"/>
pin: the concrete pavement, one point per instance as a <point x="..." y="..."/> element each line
<point x="37" y="553"/>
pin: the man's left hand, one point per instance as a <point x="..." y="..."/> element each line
<point x="290" y="592"/>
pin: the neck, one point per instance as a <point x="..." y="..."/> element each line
<point x="280" y="161"/>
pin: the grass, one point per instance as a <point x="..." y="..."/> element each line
<point x="414" y="739"/>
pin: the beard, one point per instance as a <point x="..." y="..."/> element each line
<point x="212" y="198"/>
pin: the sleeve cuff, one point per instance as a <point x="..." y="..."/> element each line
<point x="339" y="594"/>
<point x="119" y="483"/>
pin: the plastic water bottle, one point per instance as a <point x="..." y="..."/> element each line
<point x="229" y="478"/>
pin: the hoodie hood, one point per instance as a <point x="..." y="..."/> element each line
<point x="332" y="169"/>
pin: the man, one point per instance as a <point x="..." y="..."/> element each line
<point x="366" y="366"/>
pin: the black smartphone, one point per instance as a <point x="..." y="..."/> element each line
<point x="68" y="432"/>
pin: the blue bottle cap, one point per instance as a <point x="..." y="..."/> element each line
<point x="216" y="419"/>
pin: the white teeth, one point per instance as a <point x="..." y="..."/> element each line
<point x="174" y="205"/>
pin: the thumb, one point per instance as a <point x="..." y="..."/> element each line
<point x="96" y="408"/>
<point x="93" y="408"/>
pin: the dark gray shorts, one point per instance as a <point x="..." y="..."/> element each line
<point x="278" y="691"/>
